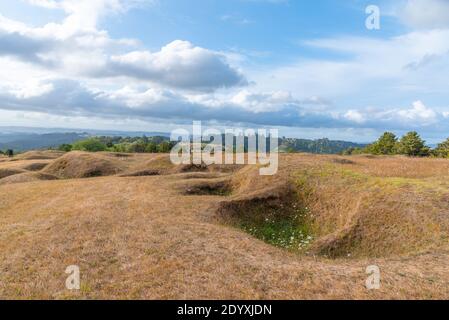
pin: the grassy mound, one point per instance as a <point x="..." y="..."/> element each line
<point x="84" y="165"/>
<point x="267" y="208"/>
<point x="160" y="165"/>
<point x="35" y="166"/>
<point x="6" y="172"/>
<point x="337" y="207"/>
<point x="354" y="213"/>
<point x="140" y="239"/>
<point x="26" y="177"/>
<point x="40" y="155"/>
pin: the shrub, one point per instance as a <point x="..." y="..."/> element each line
<point x="165" y="147"/>
<point x="136" y="147"/>
<point x="151" y="147"/>
<point x="65" y="147"/>
<point x="90" y="145"/>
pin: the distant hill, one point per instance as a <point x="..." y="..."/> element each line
<point x="24" y="142"/>
<point x="25" y="138"/>
<point x="22" y="139"/>
<point x="320" y="146"/>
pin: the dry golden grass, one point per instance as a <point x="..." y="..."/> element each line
<point x="85" y="165"/>
<point x="40" y="155"/>
<point x="6" y="172"/>
<point x="148" y="237"/>
<point x="26" y="177"/>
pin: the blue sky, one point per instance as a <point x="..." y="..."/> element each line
<point x="310" y="68"/>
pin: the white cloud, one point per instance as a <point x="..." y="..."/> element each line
<point x="31" y="89"/>
<point x="355" y="116"/>
<point x="179" y="64"/>
<point x="72" y="99"/>
<point x="78" y="51"/>
<point x="417" y="116"/>
<point x="67" y="63"/>
<point x="425" y="14"/>
<point x="85" y="14"/>
<point x="259" y="102"/>
<point x="419" y="113"/>
<point x="369" y="67"/>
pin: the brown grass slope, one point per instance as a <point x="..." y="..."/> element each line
<point x="40" y="155"/>
<point x="26" y="177"/>
<point x="84" y="165"/>
<point x="171" y="235"/>
<point x="6" y="172"/>
<point x="354" y="212"/>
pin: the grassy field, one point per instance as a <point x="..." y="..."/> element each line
<point x="140" y="228"/>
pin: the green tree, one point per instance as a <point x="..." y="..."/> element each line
<point x="138" y="146"/>
<point x="151" y="147"/>
<point x="65" y="147"/>
<point x="10" y="153"/>
<point x="385" y="145"/>
<point x="164" y="147"/>
<point x="442" y="150"/>
<point x="412" y="145"/>
<point x="90" y="145"/>
<point x="120" y="147"/>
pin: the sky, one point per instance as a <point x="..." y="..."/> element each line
<point x="310" y="68"/>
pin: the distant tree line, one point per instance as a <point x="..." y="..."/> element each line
<point x="411" y="144"/>
<point x="8" y="152"/>
<point x="120" y="144"/>
<point x="320" y="146"/>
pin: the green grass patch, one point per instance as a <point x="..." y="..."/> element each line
<point x="283" y="227"/>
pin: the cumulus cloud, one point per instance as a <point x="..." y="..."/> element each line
<point x="263" y="101"/>
<point x="66" y="65"/>
<point x="77" y="48"/>
<point x="416" y="116"/>
<point x="24" y="47"/>
<point x="70" y="98"/>
<point x="179" y="64"/>
<point x="355" y="116"/>
<point x="419" y="113"/>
